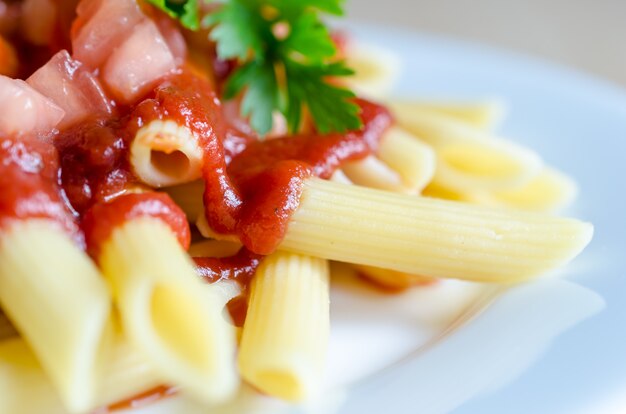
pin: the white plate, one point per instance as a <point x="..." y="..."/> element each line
<point x="557" y="346"/>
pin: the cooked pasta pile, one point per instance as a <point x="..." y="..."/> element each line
<point x="151" y="242"/>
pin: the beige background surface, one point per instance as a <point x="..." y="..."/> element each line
<point x="586" y="34"/>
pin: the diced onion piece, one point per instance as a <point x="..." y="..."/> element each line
<point x="38" y="20"/>
<point x="138" y="63"/>
<point x="24" y="110"/>
<point x="73" y="88"/>
<point x="105" y="25"/>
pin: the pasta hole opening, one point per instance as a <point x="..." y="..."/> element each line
<point x="281" y="384"/>
<point x="174" y="164"/>
<point x="177" y="322"/>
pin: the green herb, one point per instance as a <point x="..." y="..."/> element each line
<point x="285" y="54"/>
<point x="186" y="11"/>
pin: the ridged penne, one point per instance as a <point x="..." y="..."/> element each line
<point x="285" y="335"/>
<point x="469" y="159"/>
<point x="549" y="191"/>
<point x="430" y="237"/>
<point x="59" y="303"/>
<point x="25" y="387"/>
<point x="483" y="115"/>
<point x="375" y="69"/>
<point x="167" y="312"/>
<point x="412" y="159"/>
<point x="164" y="153"/>
<point x="189" y="198"/>
<point x="402" y="164"/>
<point x="372" y="172"/>
<point x="124" y="371"/>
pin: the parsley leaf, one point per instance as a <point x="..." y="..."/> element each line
<point x="285" y="59"/>
<point x="187" y="12"/>
<point x="285" y="54"/>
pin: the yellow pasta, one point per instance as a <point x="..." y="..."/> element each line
<point x="164" y="153"/>
<point x="469" y="159"/>
<point x="375" y="69"/>
<point x="167" y="312"/>
<point x="58" y="301"/>
<point x="25" y="387"/>
<point x="483" y="115"/>
<point x="372" y="172"/>
<point x="285" y="335"/>
<point x="402" y="164"/>
<point x="430" y="237"/>
<point x="549" y="191"/>
<point x="412" y="159"/>
<point x="189" y="198"/>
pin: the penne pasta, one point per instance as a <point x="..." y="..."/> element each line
<point x="285" y="335"/>
<point x="164" y="153"/>
<point x="25" y="387"/>
<point x="189" y="198"/>
<point x="38" y="264"/>
<point x="549" y="191"/>
<point x="429" y="237"/>
<point x="167" y="313"/>
<point x="412" y="159"/>
<point x="483" y="115"/>
<point x="375" y="69"/>
<point x="469" y="159"/>
<point x="372" y="172"/>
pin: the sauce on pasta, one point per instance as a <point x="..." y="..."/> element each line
<point x="29" y="184"/>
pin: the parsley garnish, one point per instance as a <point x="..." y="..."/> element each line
<point x="285" y="56"/>
<point x="187" y="11"/>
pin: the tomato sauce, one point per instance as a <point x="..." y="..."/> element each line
<point x="99" y="222"/>
<point x="269" y="176"/>
<point x="29" y="184"/>
<point x="140" y="400"/>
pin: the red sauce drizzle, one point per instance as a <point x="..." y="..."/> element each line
<point x="240" y="267"/>
<point x="94" y="161"/>
<point x="99" y="221"/>
<point x="140" y="400"/>
<point x="269" y="176"/>
<point x="29" y="184"/>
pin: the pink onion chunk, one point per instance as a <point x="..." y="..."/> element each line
<point x="72" y="87"/>
<point x="23" y="110"/>
<point x="107" y="23"/>
<point x="135" y="67"/>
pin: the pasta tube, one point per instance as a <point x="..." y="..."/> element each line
<point x="285" y="335"/>
<point x="372" y="172"/>
<point x="469" y="159"/>
<point x="165" y="153"/>
<point x="429" y="237"/>
<point x="25" y="387"/>
<point x="166" y="311"/>
<point x="483" y="115"/>
<point x="189" y="198"/>
<point x="549" y="191"/>
<point x="375" y="70"/>
<point x="59" y="303"/>
<point x="412" y="159"/>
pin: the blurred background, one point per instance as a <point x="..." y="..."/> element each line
<point x="587" y="34"/>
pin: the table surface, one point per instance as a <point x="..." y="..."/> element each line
<point x="588" y="35"/>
